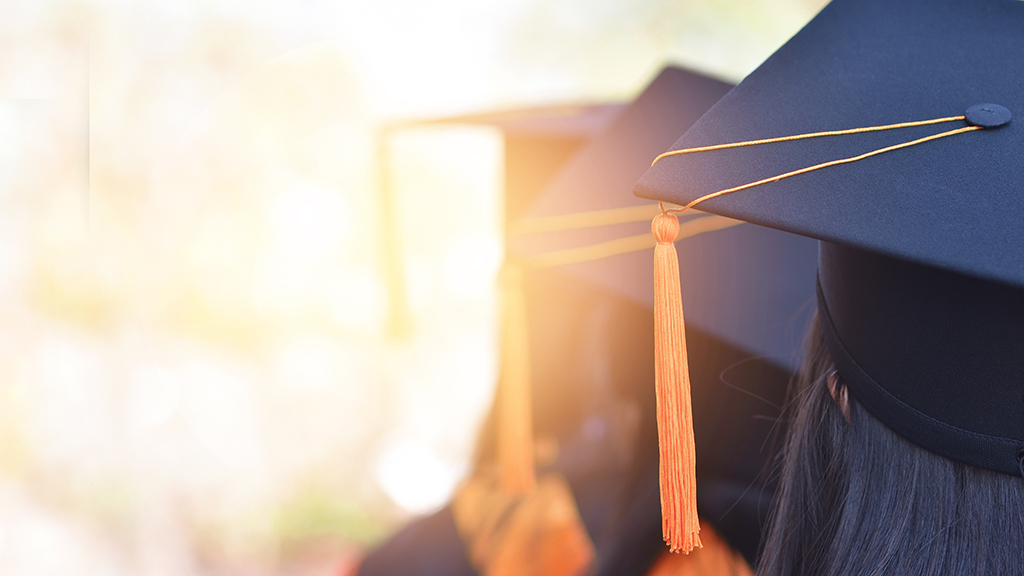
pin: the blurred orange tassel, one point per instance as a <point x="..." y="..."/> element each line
<point x="515" y="415"/>
<point x="680" y="524"/>
<point x="512" y="524"/>
<point x="538" y="534"/>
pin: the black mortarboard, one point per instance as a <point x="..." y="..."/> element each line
<point x="921" y="273"/>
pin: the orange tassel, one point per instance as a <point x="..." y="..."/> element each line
<point x="515" y="416"/>
<point x="680" y="525"/>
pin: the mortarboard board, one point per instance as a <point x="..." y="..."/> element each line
<point x="921" y="268"/>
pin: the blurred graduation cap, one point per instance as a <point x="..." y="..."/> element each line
<point x="747" y="291"/>
<point x="537" y="143"/>
<point x="914" y="192"/>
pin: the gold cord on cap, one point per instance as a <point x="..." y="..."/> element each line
<point x="816" y="166"/>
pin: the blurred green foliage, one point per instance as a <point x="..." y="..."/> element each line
<point x="319" y="516"/>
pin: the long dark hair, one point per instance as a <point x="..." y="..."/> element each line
<point x="855" y="499"/>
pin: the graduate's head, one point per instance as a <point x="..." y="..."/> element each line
<point x="856" y="498"/>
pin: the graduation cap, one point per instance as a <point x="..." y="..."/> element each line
<point x="883" y="130"/>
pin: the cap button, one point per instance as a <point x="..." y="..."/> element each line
<point x="988" y="115"/>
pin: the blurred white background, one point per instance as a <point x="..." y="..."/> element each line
<point x="195" y="372"/>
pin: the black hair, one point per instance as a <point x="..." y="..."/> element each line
<point x="856" y="499"/>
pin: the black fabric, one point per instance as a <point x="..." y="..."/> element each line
<point x="739" y="512"/>
<point x="736" y="401"/>
<point x="429" y="546"/>
<point x="954" y="203"/>
<point x="937" y="356"/>
<point x="633" y="541"/>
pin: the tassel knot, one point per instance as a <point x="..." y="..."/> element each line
<point x="665" y="228"/>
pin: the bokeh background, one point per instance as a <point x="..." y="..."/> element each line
<point x="198" y="371"/>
